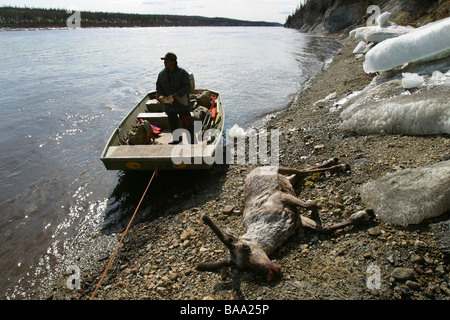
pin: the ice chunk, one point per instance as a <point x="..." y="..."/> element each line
<point x="330" y="96"/>
<point x="383" y="19"/>
<point x="385" y="108"/>
<point x="414" y="118"/>
<point x="438" y="78"/>
<point x="429" y="42"/>
<point x="327" y="98"/>
<point x="379" y="34"/>
<point x="360" y="47"/>
<point x="411" y="80"/>
<point x="344" y="100"/>
<point x="411" y="195"/>
<point x="236" y="132"/>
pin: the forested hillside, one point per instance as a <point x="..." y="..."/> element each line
<point x="14" y="17"/>
<point x="331" y="16"/>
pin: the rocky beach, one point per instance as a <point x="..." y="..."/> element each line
<point x="371" y="261"/>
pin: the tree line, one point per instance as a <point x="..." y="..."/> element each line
<point x="15" y="17"/>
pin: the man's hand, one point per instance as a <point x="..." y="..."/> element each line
<point x="167" y="100"/>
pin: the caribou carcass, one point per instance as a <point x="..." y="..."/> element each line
<point x="271" y="217"/>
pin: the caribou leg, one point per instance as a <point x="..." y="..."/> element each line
<point x="213" y="266"/>
<point x="290" y="171"/>
<point x="288" y="198"/>
<point x="360" y="216"/>
<point x="329" y="165"/>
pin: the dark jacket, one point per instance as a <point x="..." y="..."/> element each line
<point x="176" y="82"/>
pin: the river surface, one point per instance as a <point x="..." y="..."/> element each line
<point x="64" y="91"/>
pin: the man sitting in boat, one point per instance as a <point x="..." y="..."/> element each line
<point x="173" y="86"/>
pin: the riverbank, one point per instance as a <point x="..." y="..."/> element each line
<point x="158" y="258"/>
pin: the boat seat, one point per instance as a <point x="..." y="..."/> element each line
<point x="159" y="119"/>
<point x="153" y="151"/>
<point x="154" y="105"/>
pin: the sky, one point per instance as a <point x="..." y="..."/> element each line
<point x="253" y="10"/>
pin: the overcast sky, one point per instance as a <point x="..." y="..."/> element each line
<point x="254" y="10"/>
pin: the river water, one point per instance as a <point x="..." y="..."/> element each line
<point x="62" y="94"/>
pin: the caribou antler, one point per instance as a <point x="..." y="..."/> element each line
<point x="227" y="240"/>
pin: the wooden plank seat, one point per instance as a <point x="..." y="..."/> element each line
<point x="153" y="151"/>
<point x="158" y="119"/>
<point x="154" y="105"/>
<point x="140" y="151"/>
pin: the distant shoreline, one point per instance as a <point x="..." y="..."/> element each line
<point x="5" y="29"/>
<point x="33" y="18"/>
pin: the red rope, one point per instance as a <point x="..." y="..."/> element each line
<point x="123" y="236"/>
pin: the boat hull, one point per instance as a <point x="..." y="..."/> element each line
<point x="118" y="155"/>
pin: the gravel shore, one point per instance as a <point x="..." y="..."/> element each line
<point x="158" y="257"/>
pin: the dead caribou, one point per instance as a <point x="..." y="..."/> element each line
<point x="271" y="217"/>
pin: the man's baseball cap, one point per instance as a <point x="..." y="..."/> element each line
<point x="170" y="56"/>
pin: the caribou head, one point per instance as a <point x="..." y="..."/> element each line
<point x="244" y="254"/>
